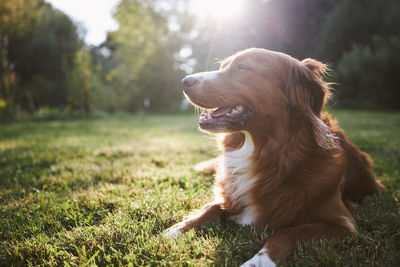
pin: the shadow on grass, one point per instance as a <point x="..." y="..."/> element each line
<point x="377" y="242"/>
<point x="21" y="168"/>
<point x="238" y="243"/>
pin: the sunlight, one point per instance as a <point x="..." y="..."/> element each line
<point x="96" y="23"/>
<point x="219" y="9"/>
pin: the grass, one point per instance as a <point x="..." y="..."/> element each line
<point x="101" y="191"/>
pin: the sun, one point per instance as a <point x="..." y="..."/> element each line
<point x="219" y="9"/>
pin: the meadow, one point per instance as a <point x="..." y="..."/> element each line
<point x="101" y="190"/>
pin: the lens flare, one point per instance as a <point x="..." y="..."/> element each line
<point x="219" y="9"/>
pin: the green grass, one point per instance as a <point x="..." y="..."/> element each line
<point x="101" y="191"/>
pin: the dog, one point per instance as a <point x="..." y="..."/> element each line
<point x="285" y="164"/>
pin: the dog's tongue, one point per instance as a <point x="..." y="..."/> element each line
<point x="220" y="112"/>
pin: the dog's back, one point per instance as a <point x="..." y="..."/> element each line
<point x="359" y="180"/>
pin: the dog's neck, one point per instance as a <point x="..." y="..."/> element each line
<point x="235" y="180"/>
<point x="238" y="160"/>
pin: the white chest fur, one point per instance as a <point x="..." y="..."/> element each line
<point x="234" y="171"/>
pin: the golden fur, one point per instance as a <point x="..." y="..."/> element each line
<point x="306" y="170"/>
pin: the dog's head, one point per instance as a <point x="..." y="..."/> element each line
<point x="257" y="90"/>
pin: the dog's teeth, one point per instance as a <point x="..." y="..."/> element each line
<point x="203" y="117"/>
<point x="237" y="109"/>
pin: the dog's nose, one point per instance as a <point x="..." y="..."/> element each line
<point x="189" y="81"/>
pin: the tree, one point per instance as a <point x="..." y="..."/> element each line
<point x="141" y="62"/>
<point x="356" y="38"/>
<point x="368" y="74"/>
<point x="39" y="46"/>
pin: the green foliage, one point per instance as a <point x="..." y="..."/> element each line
<point x="357" y="23"/>
<point x="5" y="112"/>
<point x="349" y="33"/>
<point x="139" y="67"/>
<point x="79" y="81"/>
<point x="369" y="75"/>
<point x="100" y="191"/>
<point x="142" y="64"/>
<point x="48" y="113"/>
<point x="140" y="30"/>
<point x="38" y="47"/>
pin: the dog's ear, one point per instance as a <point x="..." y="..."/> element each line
<point x="306" y="85"/>
<point x="320" y="89"/>
<point x="308" y="92"/>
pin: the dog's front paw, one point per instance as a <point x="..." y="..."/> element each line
<point x="176" y="230"/>
<point x="173" y="232"/>
<point x="261" y="259"/>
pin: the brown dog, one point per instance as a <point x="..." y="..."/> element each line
<point x="284" y="163"/>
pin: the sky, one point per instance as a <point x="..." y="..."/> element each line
<point x="95" y="15"/>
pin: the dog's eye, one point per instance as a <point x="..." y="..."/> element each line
<point x="243" y="67"/>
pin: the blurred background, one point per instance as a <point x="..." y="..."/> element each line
<point x="78" y="57"/>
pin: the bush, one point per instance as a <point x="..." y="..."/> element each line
<point x="369" y="74"/>
<point x="49" y="113"/>
<point x="5" y="111"/>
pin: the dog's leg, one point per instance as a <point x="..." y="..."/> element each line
<point x="209" y="213"/>
<point x="208" y="166"/>
<point x="286" y="240"/>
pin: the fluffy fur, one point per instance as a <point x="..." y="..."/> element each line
<point x="284" y="163"/>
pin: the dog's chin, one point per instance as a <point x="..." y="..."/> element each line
<point x="221" y="127"/>
<point x="225" y="119"/>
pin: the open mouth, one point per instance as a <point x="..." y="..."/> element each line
<point x="224" y="118"/>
